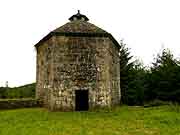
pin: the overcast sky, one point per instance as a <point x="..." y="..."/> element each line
<point x="145" y="25"/>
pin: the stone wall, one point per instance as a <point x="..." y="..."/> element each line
<point x="66" y="64"/>
<point x="44" y="70"/>
<point x="115" y="75"/>
<point x="18" y="103"/>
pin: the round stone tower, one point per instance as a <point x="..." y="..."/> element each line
<point x="78" y="67"/>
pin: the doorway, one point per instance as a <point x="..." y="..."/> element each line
<point x="82" y="99"/>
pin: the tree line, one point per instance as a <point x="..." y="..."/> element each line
<point x="140" y="85"/>
<point x="26" y="91"/>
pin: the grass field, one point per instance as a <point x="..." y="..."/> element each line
<point x="163" y="120"/>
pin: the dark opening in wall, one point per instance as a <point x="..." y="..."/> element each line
<point x="82" y="98"/>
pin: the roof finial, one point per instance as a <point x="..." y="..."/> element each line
<point x="78" y="16"/>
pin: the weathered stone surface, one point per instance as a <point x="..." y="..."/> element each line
<point x="69" y="63"/>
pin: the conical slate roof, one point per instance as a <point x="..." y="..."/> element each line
<point x="79" y="26"/>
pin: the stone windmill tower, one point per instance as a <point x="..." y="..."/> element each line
<point x="78" y="67"/>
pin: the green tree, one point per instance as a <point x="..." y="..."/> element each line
<point x="133" y="78"/>
<point x="136" y="84"/>
<point x="125" y="66"/>
<point x="164" y="80"/>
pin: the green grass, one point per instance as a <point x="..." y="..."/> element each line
<point x="163" y="120"/>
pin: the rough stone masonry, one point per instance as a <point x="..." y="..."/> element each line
<point x="78" y="56"/>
